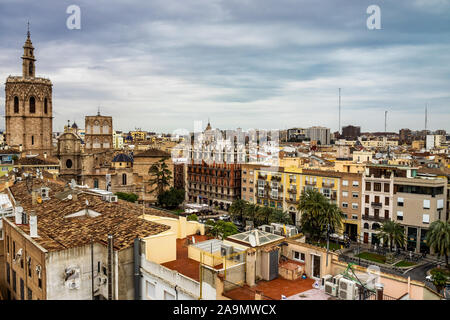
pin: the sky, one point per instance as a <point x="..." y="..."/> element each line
<point x="161" y="65"/>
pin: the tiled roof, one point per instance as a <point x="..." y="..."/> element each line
<point x="56" y="232"/>
<point x="37" y="161"/>
<point x="9" y="151"/>
<point x="152" y="153"/>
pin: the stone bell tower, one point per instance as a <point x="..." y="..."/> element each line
<point x="28" y="107"/>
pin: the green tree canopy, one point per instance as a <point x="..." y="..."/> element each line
<point x="171" y="198"/>
<point x="438" y="238"/>
<point x="160" y="176"/>
<point x="131" y="197"/>
<point x="392" y="233"/>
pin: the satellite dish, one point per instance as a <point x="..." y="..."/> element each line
<point x="252" y="240"/>
<point x="69" y="197"/>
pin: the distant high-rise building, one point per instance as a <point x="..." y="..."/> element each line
<point x="319" y="134"/>
<point x="351" y="132"/>
<point x="405" y="136"/>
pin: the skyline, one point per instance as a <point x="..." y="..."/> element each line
<point x="247" y="65"/>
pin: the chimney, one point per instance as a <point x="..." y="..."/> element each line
<point x="34" y="195"/>
<point x="18" y="214"/>
<point x="33" y="225"/>
<point x="20" y="148"/>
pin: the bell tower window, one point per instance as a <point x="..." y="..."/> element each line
<point x="32" y="140"/>
<point x="32" y="105"/>
<point x="45" y="106"/>
<point x="16" y="105"/>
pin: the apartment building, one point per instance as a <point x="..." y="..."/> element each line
<point x="214" y="184"/>
<point x="319" y="134"/>
<point x="350" y="201"/>
<point x="418" y="202"/>
<point x="248" y="179"/>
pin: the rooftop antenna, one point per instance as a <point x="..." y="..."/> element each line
<point x="28" y="29"/>
<point x="98" y="112"/>
<point x="385" y="122"/>
<point x="339" y="129"/>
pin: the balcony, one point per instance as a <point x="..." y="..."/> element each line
<point x="262" y="176"/>
<point x="275" y="178"/>
<point x="291" y="200"/>
<point x="376" y="204"/>
<point x="374" y="218"/>
<point x="292" y="190"/>
<point x="328" y="185"/>
<point x="310" y="183"/>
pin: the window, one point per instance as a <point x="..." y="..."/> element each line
<point x="150" y="290"/>
<point x="344" y="205"/>
<point x="386" y="187"/>
<point x="299" y="256"/>
<point x="124" y="179"/>
<point x="440" y="204"/>
<point x="426" y="204"/>
<point x="366" y="225"/>
<point x="29" y="294"/>
<point x="14" y="281"/>
<point x="16" y="105"/>
<point x="68" y="164"/>
<point x="355" y="194"/>
<point x="8" y="276"/>
<point x="426" y="218"/>
<point x="32" y="140"/>
<point x="400" y="202"/>
<point x="96" y="183"/>
<point x="368" y="186"/>
<point x="400" y="215"/>
<point x="32" y="105"/>
<point x="366" y="211"/>
<point x="244" y="189"/>
<point x="355" y="183"/>
<point x="345" y="183"/>
<point x="22" y="289"/>
<point x="386" y="214"/>
<point x="377" y="186"/>
<point x="344" y="193"/>
<point x="45" y="105"/>
<point x="29" y="266"/>
<point x="354" y="206"/>
<point x="367" y="198"/>
<point x="386" y="201"/>
<point x="7" y="244"/>
<point x="168" y="296"/>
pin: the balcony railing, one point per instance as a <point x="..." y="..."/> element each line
<point x="328" y="185"/>
<point x="275" y="178"/>
<point x="262" y="176"/>
<point x="374" y="218"/>
<point x="376" y="204"/>
<point x="310" y="183"/>
<point x="292" y="190"/>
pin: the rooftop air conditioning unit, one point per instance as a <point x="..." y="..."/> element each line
<point x="110" y="198"/>
<point x="347" y="289"/>
<point x="326" y="278"/>
<point x="291" y="231"/>
<point x="337" y="278"/>
<point x="269" y="229"/>
<point x="225" y="250"/>
<point x="331" y="288"/>
<point x="45" y="191"/>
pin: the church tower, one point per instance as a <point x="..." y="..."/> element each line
<point x="28" y="107"/>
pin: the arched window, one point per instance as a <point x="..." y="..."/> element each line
<point x="124" y="179"/>
<point x="69" y="163"/>
<point x="32" y="105"/>
<point x="16" y="104"/>
<point x="30" y="69"/>
<point x="32" y="140"/>
<point x="375" y="226"/>
<point x="366" y="225"/>
<point x="45" y="106"/>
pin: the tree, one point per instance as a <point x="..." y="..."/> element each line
<point x="332" y="217"/>
<point x="130" y="197"/>
<point x="262" y="215"/>
<point x="192" y="217"/>
<point x="438" y="239"/>
<point x="160" y="176"/>
<point x="439" y="280"/>
<point x="237" y="209"/>
<point x="312" y="204"/>
<point x="392" y="233"/>
<point x="171" y="198"/>
<point x="280" y="216"/>
<point x="250" y="212"/>
<point x="221" y="229"/>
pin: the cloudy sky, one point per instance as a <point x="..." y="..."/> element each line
<point x="161" y="65"/>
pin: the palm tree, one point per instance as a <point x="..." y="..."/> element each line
<point x="312" y="203"/>
<point x="392" y="233"/>
<point x="280" y="216"/>
<point x="160" y="176"/>
<point x="237" y="209"/>
<point x="251" y="211"/>
<point x="438" y="238"/>
<point x="263" y="214"/>
<point x="331" y="217"/>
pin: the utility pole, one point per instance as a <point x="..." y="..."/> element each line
<point x="339" y="129"/>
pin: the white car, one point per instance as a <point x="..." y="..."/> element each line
<point x="429" y="278"/>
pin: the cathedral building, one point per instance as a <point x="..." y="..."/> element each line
<point x="28" y="108"/>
